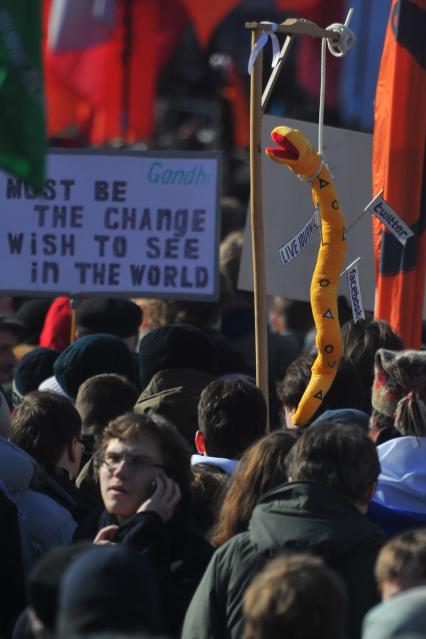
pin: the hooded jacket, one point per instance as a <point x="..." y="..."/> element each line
<point x="297" y="517"/>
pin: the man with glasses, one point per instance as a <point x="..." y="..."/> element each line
<point x="145" y="481"/>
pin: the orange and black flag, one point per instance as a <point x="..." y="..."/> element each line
<point x="399" y="168"/>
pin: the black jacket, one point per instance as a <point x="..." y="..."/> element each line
<point x="180" y="556"/>
<point x="296" y="517"/>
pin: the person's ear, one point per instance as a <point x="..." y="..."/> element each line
<point x="363" y="503"/>
<point x="200" y="443"/>
<point x="71" y="449"/>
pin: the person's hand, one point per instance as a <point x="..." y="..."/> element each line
<point x="164" y="499"/>
<point x="106" y="535"/>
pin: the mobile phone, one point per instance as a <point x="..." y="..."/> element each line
<point x="152" y="488"/>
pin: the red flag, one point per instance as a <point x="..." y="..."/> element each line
<point x="110" y="94"/>
<point x="207" y="15"/>
<point x="399" y="168"/>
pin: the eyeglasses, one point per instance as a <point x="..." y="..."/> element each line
<point x="134" y="462"/>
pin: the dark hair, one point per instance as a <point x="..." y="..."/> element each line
<point x="43" y="425"/>
<point x="261" y="468"/>
<point x="231" y="416"/>
<point x="102" y="398"/>
<point x="336" y="455"/>
<point x="360" y="341"/>
<point x="404" y="556"/>
<point x="295" y="597"/>
<point x="173" y="446"/>
<point x="208" y="483"/>
<point x="345" y="392"/>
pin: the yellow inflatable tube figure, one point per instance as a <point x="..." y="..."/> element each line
<point x="296" y="152"/>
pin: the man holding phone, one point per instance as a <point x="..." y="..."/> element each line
<point x="135" y="451"/>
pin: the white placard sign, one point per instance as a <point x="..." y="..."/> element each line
<point x="287" y="203"/>
<point x="114" y="223"/>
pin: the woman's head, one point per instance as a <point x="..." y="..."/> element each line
<point x="261" y="468"/>
<point x="134" y="450"/>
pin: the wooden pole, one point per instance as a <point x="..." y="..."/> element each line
<point x="73" y="306"/>
<point x="256" y="219"/>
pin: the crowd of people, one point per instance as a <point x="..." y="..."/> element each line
<point x="148" y="488"/>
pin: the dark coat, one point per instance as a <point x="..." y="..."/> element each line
<point x="296" y="517"/>
<point x="179" y="555"/>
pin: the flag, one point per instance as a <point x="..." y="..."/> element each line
<point x="22" y="121"/>
<point x="207" y="16"/>
<point x="399" y="169"/>
<point x="110" y="85"/>
<point x="77" y="24"/>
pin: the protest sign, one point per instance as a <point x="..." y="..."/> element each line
<point x="288" y="207"/>
<point x="110" y="223"/>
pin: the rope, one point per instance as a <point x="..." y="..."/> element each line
<point x="339" y="48"/>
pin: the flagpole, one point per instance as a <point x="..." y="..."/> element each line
<point x="256" y="219"/>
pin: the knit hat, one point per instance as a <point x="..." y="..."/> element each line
<point x="45" y="578"/>
<point x="32" y="314"/>
<point x="117" y="316"/>
<point x="350" y="416"/>
<point x="175" y="346"/>
<point x="397" y="373"/>
<point x="9" y="323"/>
<point x="92" y="355"/>
<point x="31" y="371"/>
<point x="110" y="588"/>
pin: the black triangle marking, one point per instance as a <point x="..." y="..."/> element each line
<point x="332" y="364"/>
<point x="328" y="314"/>
<point x="323" y="183"/>
<point x="344" y="234"/>
<point x="318" y="396"/>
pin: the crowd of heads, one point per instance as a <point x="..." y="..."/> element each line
<point x="142" y="445"/>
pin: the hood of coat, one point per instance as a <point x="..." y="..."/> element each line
<point x="309" y="517"/>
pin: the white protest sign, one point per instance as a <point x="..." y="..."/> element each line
<point x="114" y="223"/>
<point x="295" y="246"/>
<point x="287" y="202"/>
<point x="385" y="213"/>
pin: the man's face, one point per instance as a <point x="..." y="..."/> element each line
<point x="126" y="474"/>
<point x="7" y="359"/>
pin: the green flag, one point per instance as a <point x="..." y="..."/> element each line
<point x="22" y="114"/>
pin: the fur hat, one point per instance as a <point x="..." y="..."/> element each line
<point x="397" y="373"/>
<point x="117" y="316"/>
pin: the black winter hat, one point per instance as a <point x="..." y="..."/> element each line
<point x="44" y="581"/>
<point x="117" y="316"/>
<point x="9" y="323"/>
<point x="32" y="314"/>
<point x="175" y="346"/>
<point x="92" y="355"/>
<point x="32" y="369"/>
<point x="110" y="588"/>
